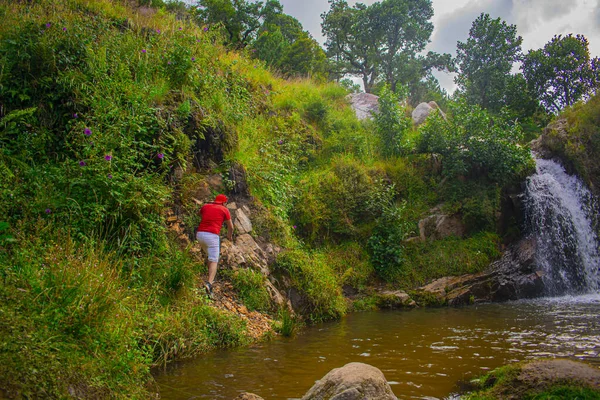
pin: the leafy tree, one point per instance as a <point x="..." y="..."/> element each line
<point x="416" y="75"/>
<point x="273" y="16"/>
<point x="240" y="18"/>
<point x="402" y="29"/>
<point x="562" y="72"/>
<point x="485" y="61"/>
<point x="304" y="57"/>
<point x="282" y="44"/>
<point x="351" y="41"/>
<point x="381" y="42"/>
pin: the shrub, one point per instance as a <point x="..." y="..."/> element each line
<point x="386" y="243"/>
<point x="476" y="145"/>
<point x="391" y="123"/>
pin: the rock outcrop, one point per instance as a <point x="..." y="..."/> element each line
<point x="365" y="105"/>
<point x="514" y="276"/>
<point x="424" y="110"/>
<point x="353" y="381"/>
<point x="439" y="226"/>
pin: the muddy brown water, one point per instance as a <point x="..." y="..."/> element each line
<point x="423" y="353"/>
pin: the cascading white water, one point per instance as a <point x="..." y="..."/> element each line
<point x="560" y="212"/>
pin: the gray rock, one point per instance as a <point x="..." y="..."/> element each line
<point x="241" y="222"/>
<point x="353" y="381"/>
<point x="424" y="110"/>
<point x="244" y="253"/>
<point x="365" y="105"/>
<point x="395" y="298"/>
<point x="420" y="113"/>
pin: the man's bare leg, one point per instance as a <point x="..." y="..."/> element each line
<point x="212" y="271"/>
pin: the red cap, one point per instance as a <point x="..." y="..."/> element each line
<point x="221" y="198"/>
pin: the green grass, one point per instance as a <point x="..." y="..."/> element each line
<point x="250" y="285"/>
<point x="425" y="261"/>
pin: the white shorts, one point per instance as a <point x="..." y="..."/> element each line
<point x="210" y="243"/>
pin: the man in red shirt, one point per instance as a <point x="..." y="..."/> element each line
<point x="213" y="215"/>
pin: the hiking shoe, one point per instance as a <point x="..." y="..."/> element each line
<point x="208" y="288"/>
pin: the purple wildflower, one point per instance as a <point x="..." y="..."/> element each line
<point x="143" y="50"/>
<point x="87" y="132"/>
<point x="64" y="29"/>
<point x="280" y="142"/>
<point x="109" y="176"/>
<point x="158" y="31"/>
<point x="180" y="28"/>
<point x="75" y="115"/>
<point x="294" y="226"/>
<point x="160" y="155"/>
<point x="82" y="163"/>
<point x="193" y="58"/>
<point x="48" y="211"/>
<point x="108" y="157"/>
<point x="169" y="63"/>
<point x="48" y="25"/>
<point x="206" y="29"/>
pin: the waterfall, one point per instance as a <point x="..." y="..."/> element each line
<point x="559" y="212"/>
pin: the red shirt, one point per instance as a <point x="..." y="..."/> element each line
<point x="213" y="216"/>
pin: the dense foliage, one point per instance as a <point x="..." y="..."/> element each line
<point x="382" y="42"/>
<point x="562" y="72"/>
<point x="485" y="61"/>
<point x="474" y="144"/>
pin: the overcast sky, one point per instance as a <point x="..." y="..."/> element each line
<point x="537" y="21"/>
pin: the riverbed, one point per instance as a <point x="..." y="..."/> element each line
<point x="423" y="353"/>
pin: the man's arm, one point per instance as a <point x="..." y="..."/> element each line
<point x="229" y="230"/>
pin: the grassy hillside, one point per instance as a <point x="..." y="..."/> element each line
<point x="112" y="115"/>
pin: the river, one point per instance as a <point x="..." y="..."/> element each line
<point x="423" y="353"/>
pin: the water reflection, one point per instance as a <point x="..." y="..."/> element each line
<point x="423" y="353"/>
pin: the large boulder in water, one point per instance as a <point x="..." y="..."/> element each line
<point x="365" y="105"/>
<point x="353" y="381"/>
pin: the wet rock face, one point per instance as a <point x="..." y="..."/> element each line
<point x="354" y="381"/>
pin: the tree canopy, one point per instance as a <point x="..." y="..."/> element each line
<point x="485" y="61"/>
<point x="382" y="42"/>
<point x="562" y="72"/>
